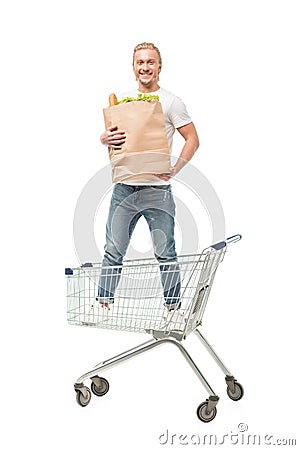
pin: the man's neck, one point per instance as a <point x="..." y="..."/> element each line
<point x="146" y="89"/>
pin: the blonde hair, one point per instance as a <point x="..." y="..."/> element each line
<point x="149" y="45"/>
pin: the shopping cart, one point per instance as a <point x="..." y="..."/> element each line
<point x="142" y="302"/>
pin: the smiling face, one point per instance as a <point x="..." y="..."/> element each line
<point x="146" y="67"/>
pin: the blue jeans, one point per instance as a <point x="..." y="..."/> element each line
<point x="128" y="205"/>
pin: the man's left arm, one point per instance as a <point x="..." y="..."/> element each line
<point x="189" y="133"/>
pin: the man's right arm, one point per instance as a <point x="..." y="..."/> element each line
<point x="112" y="137"/>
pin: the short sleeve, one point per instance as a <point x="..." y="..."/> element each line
<point x="178" y="113"/>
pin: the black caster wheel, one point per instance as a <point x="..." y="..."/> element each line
<point x="81" y="399"/>
<point x="203" y="415"/>
<point x="238" y="392"/>
<point x="102" y="389"/>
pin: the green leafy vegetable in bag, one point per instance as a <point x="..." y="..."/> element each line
<point x="144" y="97"/>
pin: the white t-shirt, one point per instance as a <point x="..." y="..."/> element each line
<point x="176" y="116"/>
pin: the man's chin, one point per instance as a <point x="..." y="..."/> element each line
<point x="146" y="81"/>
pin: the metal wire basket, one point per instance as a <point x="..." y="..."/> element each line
<point x="140" y="301"/>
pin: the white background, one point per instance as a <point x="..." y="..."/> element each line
<point x="236" y="66"/>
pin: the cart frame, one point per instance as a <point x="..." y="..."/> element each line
<point x="166" y="335"/>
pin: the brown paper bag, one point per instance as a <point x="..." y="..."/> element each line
<point x="146" y="150"/>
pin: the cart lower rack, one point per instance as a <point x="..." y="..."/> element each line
<point x="165" y="300"/>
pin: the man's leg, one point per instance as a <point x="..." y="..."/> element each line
<point x="160" y="219"/>
<point x="121" y="222"/>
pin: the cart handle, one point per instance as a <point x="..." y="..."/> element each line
<point x="235" y="238"/>
<point x="222" y="244"/>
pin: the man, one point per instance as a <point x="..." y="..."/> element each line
<point x="150" y="196"/>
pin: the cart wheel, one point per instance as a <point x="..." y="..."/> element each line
<point x="237" y="394"/>
<point x="101" y="390"/>
<point x="202" y="414"/>
<point x="81" y="400"/>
